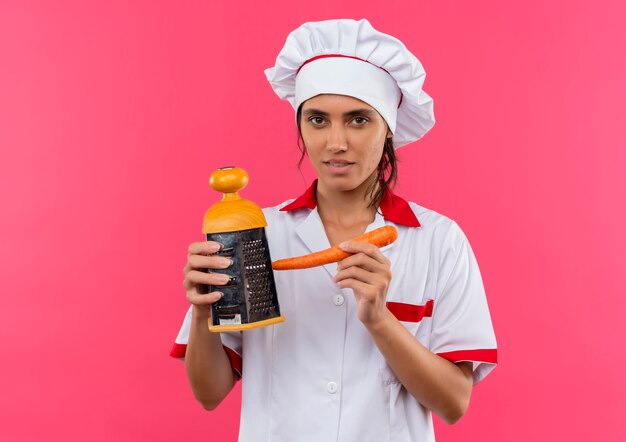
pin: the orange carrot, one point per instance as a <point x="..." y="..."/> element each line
<point x="379" y="237"/>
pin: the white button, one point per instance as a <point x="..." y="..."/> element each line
<point x="332" y="387"/>
<point x="338" y="300"/>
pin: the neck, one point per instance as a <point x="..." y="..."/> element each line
<point x="345" y="208"/>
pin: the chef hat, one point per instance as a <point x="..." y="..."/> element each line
<point x="350" y="57"/>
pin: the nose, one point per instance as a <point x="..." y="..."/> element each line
<point x="337" y="140"/>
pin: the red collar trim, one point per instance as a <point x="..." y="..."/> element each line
<point x="392" y="207"/>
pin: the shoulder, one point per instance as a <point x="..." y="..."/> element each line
<point x="436" y="225"/>
<point x="438" y="244"/>
<point x="282" y="229"/>
<point x="271" y="210"/>
<point x="275" y="214"/>
<point x="280" y="221"/>
<point x="438" y="239"/>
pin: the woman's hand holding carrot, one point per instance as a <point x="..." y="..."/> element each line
<point x="368" y="273"/>
<point x="362" y="267"/>
<point x="379" y="237"/>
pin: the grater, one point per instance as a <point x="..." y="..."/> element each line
<point x="250" y="299"/>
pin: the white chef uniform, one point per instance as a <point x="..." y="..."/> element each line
<point x="319" y="376"/>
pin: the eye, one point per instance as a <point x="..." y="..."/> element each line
<point x="360" y="121"/>
<point x="316" y="121"/>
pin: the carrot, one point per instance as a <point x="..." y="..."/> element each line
<point x="379" y="237"/>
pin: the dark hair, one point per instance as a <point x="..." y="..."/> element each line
<point x="386" y="172"/>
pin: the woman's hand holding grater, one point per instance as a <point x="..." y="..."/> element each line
<point x="200" y="260"/>
<point x="208" y="368"/>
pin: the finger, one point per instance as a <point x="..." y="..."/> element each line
<point x="195" y="277"/>
<point x="204" y="248"/>
<point x="357" y="286"/>
<point x="364" y="261"/>
<point x="207" y="299"/>
<point x="208" y="262"/>
<point x="378" y="280"/>
<point x="363" y="247"/>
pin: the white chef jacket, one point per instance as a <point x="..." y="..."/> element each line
<point x="319" y="376"/>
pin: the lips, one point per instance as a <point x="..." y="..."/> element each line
<point x="338" y="163"/>
<point x="338" y="167"/>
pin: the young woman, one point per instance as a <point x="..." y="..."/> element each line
<point x="375" y="343"/>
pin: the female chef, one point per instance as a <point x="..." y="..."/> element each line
<point x="372" y="345"/>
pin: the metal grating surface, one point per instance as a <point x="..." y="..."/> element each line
<point x="258" y="283"/>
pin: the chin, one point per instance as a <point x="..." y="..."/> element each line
<point x="342" y="183"/>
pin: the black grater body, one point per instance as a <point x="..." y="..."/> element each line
<point x="251" y="295"/>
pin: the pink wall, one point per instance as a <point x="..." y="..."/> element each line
<point x="113" y="115"/>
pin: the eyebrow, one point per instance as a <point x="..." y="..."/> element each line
<point x="367" y="112"/>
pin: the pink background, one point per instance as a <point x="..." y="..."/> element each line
<point x="113" y="114"/>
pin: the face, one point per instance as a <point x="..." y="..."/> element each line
<point x="344" y="139"/>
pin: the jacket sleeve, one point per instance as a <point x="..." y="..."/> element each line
<point x="230" y="340"/>
<point x="461" y="323"/>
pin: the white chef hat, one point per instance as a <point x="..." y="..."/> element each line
<point x="350" y="57"/>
